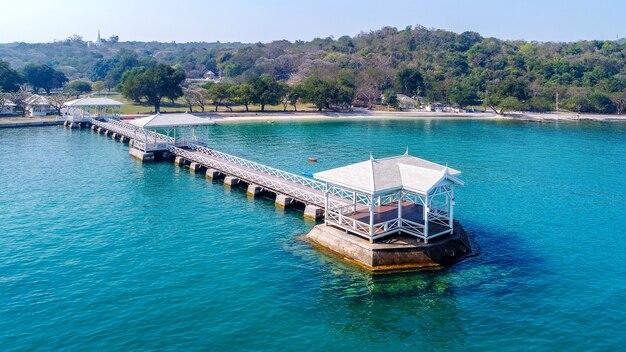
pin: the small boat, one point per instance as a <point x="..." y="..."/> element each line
<point x="313" y="160"/>
<point x="307" y="174"/>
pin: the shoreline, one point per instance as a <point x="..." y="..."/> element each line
<point x="242" y="117"/>
<point x="312" y="116"/>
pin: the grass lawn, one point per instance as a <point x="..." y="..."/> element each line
<point x="179" y="105"/>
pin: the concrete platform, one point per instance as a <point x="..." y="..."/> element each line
<point x="283" y="201"/>
<point x="393" y="253"/>
<point x="143" y="156"/>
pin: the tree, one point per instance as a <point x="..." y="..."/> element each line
<point x="10" y="79"/>
<point x="114" y="39"/>
<point x="295" y="94"/>
<point x="242" y="94"/>
<point x="19" y="99"/>
<point x="370" y="83"/>
<point x="409" y="81"/>
<point x="77" y="88"/>
<point x="462" y="94"/>
<point x="153" y="84"/>
<point x="508" y="94"/>
<point x="194" y="96"/>
<point x="324" y="93"/>
<point x="601" y="103"/>
<point x="43" y="77"/>
<point x="391" y="99"/>
<point x="57" y="101"/>
<point x="97" y="86"/>
<point x="619" y="100"/>
<point x="265" y="90"/>
<point x="578" y="103"/>
<point x="285" y="89"/>
<point x="219" y="93"/>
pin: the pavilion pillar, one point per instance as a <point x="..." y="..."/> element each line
<point x="354" y="202"/>
<point x="400" y="210"/>
<point x="372" y="205"/>
<point x="451" y="211"/>
<point x="426" y="211"/>
<point x="326" y="201"/>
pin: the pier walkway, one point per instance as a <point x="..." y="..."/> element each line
<point x="288" y="187"/>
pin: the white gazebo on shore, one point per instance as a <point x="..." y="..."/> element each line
<point x="381" y="197"/>
<point x="179" y="129"/>
<point x="85" y="109"/>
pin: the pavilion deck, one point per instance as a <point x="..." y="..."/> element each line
<point x="386" y="213"/>
<point x="386" y="221"/>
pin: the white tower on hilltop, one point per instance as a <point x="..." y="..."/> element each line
<point x="98" y="41"/>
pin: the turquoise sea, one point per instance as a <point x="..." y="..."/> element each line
<point x="99" y="252"/>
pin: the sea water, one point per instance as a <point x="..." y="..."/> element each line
<point x="101" y="252"/>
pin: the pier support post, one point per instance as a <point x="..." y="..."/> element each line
<point x="99" y="130"/>
<point x="313" y="212"/>
<point x="194" y="167"/>
<point x="282" y="201"/>
<point x="179" y="161"/>
<point x="254" y="190"/>
<point x="114" y="135"/>
<point x="123" y="139"/>
<point x="231" y="181"/>
<point x="212" y="174"/>
<point x="106" y="132"/>
<point x="141" y="155"/>
<point x="93" y="127"/>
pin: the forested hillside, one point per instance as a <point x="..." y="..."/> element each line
<point x="440" y="66"/>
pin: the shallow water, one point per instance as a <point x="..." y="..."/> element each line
<point x="101" y="252"/>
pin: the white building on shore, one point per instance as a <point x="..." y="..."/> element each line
<point x="36" y="105"/>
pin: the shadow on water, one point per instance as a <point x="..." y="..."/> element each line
<point x="401" y="306"/>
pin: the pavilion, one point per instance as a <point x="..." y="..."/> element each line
<point x="85" y="109"/>
<point x="382" y="197"/>
<point x="154" y="133"/>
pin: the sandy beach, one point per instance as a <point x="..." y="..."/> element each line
<point x="226" y="118"/>
<point x="251" y="117"/>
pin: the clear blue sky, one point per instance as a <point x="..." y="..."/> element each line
<point x="263" y="21"/>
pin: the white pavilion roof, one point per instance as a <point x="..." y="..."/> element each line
<point x="84" y="102"/>
<point x="390" y="174"/>
<point x="171" y="120"/>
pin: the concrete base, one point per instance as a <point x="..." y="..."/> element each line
<point x="313" y="212"/>
<point x="179" y="161"/>
<point x="212" y="173"/>
<point x="283" y="201"/>
<point x="254" y="190"/>
<point x="195" y="167"/>
<point x="394" y="253"/>
<point x="231" y="181"/>
<point x="143" y="156"/>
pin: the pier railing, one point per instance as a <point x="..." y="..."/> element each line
<point x="314" y="184"/>
<point x="268" y="181"/>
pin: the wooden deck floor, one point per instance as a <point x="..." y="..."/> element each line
<point x="410" y="211"/>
